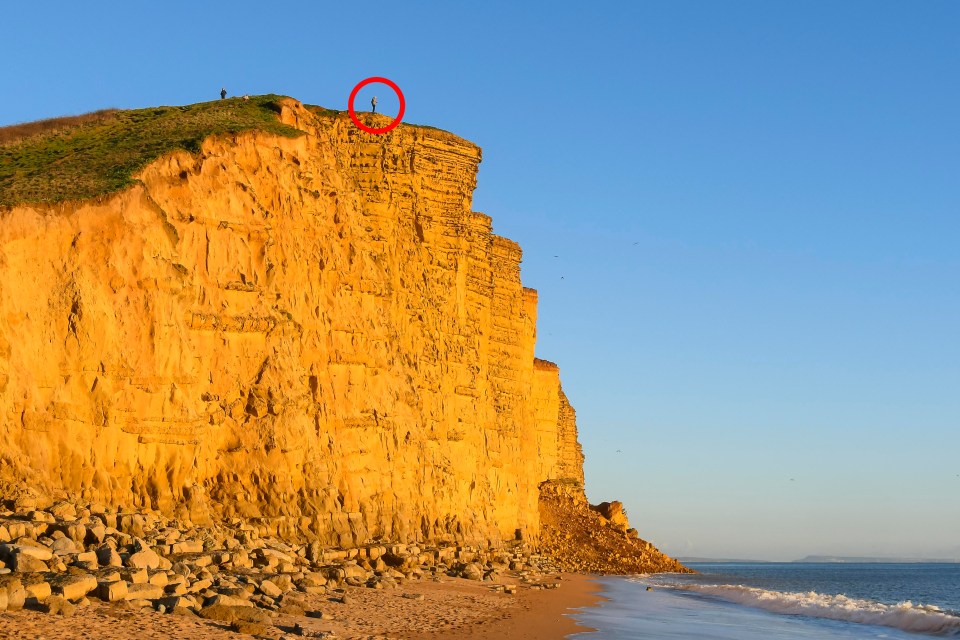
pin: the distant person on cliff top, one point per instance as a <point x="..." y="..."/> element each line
<point x="223" y="94"/>
<point x="373" y="103"/>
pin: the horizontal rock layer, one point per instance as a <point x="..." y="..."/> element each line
<point x="318" y="333"/>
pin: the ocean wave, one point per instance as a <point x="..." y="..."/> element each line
<point x="916" y="618"/>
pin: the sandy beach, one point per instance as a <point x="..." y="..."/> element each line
<point x="418" y="610"/>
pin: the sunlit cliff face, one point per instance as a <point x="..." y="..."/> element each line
<point x="315" y="331"/>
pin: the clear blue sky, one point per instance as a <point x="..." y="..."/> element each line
<point x="755" y="206"/>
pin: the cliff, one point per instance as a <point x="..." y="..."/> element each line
<point x="312" y="332"/>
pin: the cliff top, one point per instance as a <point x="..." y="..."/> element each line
<point x="82" y="157"/>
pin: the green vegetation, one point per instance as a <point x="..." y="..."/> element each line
<point x="87" y="156"/>
<point x="323" y="111"/>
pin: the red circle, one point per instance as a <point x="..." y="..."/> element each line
<point x="353" y="114"/>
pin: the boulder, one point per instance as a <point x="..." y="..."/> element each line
<point x="312" y="580"/>
<point x="200" y="562"/>
<point x="112" y="591"/>
<point x="472" y="571"/>
<point x="16" y="599"/>
<point x="144" y="591"/>
<point x="188" y="546"/>
<point x="95" y="533"/>
<point x="64" y="511"/>
<point x="613" y="511"/>
<point x="176" y="602"/>
<point x="353" y="570"/>
<point x="135" y="576"/>
<point x="107" y="556"/>
<point x="38" y="591"/>
<point x="32" y="549"/>
<point x="63" y="546"/>
<point x="86" y="560"/>
<point x="228" y="601"/>
<point x="26" y="563"/>
<point x="159" y="578"/>
<point x="200" y="585"/>
<point x="73" y="587"/>
<point x="57" y="605"/>
<point x="9" y="585"/>
<point x="144" y="557"/>
<point x="268" y="588"/>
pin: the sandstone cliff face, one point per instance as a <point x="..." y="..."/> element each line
<point x="318" y="333"/>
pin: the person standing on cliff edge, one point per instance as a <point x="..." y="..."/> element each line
<point x="373" y="103"/>
<point x="223" y="93"/>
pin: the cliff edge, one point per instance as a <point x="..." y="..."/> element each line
<point x="305" y="327"/>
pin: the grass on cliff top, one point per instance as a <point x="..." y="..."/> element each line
<point x="86" y="156"/>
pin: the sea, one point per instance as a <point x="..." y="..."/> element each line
<point x="780" y="601"/>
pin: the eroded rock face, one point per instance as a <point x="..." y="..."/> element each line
<point x="317" y="332"/>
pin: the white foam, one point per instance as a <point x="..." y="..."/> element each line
<point x="917" y="618"/>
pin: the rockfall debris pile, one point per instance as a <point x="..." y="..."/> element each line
<point x="586" y="539"/>
<point x="58" y="558"/>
